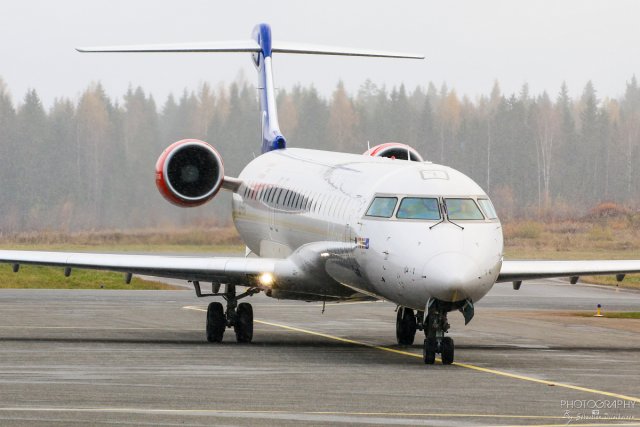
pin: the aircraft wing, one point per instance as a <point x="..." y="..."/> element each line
<point x="232" y="270"/>
<point x="303" y="272"/>
<point x="515" y="271"/>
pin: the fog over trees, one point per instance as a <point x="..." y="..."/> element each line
<point x="89" y="163"/>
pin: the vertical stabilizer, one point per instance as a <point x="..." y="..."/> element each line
<point x="272" y="138"/>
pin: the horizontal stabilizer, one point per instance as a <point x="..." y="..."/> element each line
<point x="250" y="46"/>
<point x="311" y="49"/>
<point x="228" y="46"/>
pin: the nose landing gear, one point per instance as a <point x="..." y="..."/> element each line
<point x="436" y="325"/>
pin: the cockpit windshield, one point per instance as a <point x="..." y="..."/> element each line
<point x="432" y="208"/>
<point x="382" y="207"/>
<point x="418" y="208"/>
<point x="488" y="208"/>
<point x="462" y="209"/>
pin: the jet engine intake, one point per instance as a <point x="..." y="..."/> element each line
<point x="189" y="173"/>
<point x="395" y="150"/>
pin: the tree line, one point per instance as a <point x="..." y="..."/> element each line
<point x="88" y="163"/>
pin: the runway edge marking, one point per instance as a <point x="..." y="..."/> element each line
<point x="462" y="365"/>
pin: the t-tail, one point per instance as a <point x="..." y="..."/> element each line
<point x="261" y="47"/>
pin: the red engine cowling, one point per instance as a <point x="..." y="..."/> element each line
<point x="395" y="150"/>
<point x="189" y="173"/>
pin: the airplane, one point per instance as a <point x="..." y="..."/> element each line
<point x="330" y="226"/>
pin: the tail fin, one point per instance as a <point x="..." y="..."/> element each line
<point x="261" y="49"/>
<point x="272" y="138"/>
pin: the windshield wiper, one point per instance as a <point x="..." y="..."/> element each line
<point x="441" y="209"/>
<point x="445" y="214"/>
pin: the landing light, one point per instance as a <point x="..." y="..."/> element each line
<point x="266" y="279"/>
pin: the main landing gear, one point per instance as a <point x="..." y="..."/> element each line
<point x="237" y="316"/>
<point x="241" y="319"/>
<point x="407" y="322"/>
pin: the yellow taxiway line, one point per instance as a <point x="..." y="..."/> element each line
<point x="462" y="365"/>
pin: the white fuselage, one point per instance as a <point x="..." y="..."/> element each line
<point x="296" y="197"/>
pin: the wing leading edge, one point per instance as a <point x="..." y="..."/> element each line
<point x="514" y="271"/>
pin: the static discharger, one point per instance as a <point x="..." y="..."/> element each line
<point x="598" y="311"/>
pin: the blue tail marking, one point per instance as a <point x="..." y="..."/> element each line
<point x="272" y="138"/>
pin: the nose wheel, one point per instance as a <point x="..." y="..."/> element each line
<point x="436" y="325"/>
<point x="432" y="347"/>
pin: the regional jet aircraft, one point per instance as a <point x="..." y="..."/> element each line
<point x="328" y="226"/>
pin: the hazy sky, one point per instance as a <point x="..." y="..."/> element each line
<point x="468" y="44"/>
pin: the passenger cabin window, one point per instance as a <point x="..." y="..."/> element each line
<point x="488" y="208"/>
<point x="382" y="207"/>
<point x="418" y="208"/>
<point x="461" y="209"/>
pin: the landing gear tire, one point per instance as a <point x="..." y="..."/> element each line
<point x="447" y="351"/>
<point x="405" y="326"/>
<point x="435" y="326"/>
<point x="244" y="323"/>
<point x="429" y="351"/>
<point x="216" y="322"/>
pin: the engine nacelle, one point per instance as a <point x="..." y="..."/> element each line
<point x="189" y="173"/>
<point x="395" y="150"/>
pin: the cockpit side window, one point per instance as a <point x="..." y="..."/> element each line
<point x="418" y="208"/>
<point x="382" y="207"/>
<point x="488" y="208"/>
<point x="462" y="209"/>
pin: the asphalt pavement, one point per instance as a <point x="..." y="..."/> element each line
<point x="70" y="357"/>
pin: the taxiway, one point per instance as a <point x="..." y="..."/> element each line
<point x="140" y="357"/>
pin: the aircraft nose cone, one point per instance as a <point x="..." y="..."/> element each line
<point x="451" y="276"/>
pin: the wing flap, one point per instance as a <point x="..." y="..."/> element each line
<point x="534" y="269"/>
